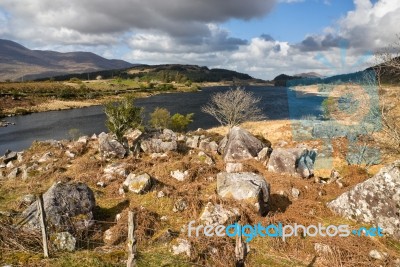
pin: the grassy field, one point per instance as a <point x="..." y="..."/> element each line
<point x="27" y="97"/>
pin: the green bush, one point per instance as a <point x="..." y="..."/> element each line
<point x="122" y="116"/>
<point x="179" y="122"/>
<point x="160" y="118"/>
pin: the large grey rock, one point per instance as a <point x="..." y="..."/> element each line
<point x="241" y="145"/>
<point x="67" y="206"/>
<point x="138" y="184"/>
<point x="110" y="147"/>
<point x="245" y="186"/>
<point x="160" y="142"/>
<point x="294" y="161"/>
<point x="375" y="201"/>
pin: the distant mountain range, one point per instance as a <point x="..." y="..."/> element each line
<point x="309" y="75"/>
<point x="20" y="63"/>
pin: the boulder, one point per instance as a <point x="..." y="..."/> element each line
<point x="374" y="201"/>
<point x="193" y="141"/>
<point x="245" y="186"/>
<point x="67" y="206"/>
<point x="160" y="142"/>
<point x="241" y="145"/>
<point x="138" y="184"/>
<point x="204" y="158"/>
<point x="294" y="161"/>
<point x="132" y="136"/>
<point x="110" y="147"/>
<point x="158" y="146"/>
<point x="114" y="170"/>
<point x="64" y="241"/>
<point x="9" y="156"/>
<point x="218" y="215"/>
<point x="208" y="146"/>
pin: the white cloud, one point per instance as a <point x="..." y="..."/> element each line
<point x="189" y="32"/>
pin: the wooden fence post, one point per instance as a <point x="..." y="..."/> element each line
<point x="42" y="220"/>
<point x="131" y="240"/>
<point x="240" y="251"/>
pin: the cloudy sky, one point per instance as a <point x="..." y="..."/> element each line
<point x="261" y="37"/>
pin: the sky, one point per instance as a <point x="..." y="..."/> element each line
<point x="263" y="38"/>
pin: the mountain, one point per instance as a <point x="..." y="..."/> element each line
<point x="309" y="75"/>
<point x="18" y="62"/>
<point x="169" y="73"/>
<point x="281" y="79"/>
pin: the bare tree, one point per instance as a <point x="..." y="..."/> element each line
<point x="388" y="71"/>
<point x="234" y="107"/>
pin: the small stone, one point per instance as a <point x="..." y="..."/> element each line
<point x="377" y="255"/>
<point x="20" y="156"/>
<point x="164" y="218"/>
<point x="158" y="156"/>
<point x="160" y="194"/>
<point x="217" y="214"/>
<point x="179" y="175"/>
<point x="322" y="193"/>
<point x="295" y="193"/>
<point x="137" y="184"/>
<point x="14" y="173"/>
<point x="101" y="184"/>
<point x="108" y="236"/>
<point x="28" y="199"/>
<point x="121" y="191"/>
<point x="183" y="247"/>
<point x="65" y="241"/>
<point x="180" y="205"/>
<point x="10" y="165"/>
<point x="322" y="249"/>
<point x="69" y="154"/>
<point x="204" y="158"/>
<point x="46" y="157"/>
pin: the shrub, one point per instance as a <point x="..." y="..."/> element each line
<point x="179" y="122"/>
<point x="160" y="118"/>
<point x="122" y="116"/>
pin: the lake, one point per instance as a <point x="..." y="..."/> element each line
<point x="276" y="103"/>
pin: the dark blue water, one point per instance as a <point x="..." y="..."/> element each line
<point x="276" y="103"/>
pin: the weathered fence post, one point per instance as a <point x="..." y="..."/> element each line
<point x="42" y="220"/>
<point x="131" y="240"/>
<point x="240" y="251"/>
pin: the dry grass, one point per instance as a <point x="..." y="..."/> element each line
<point x="197" y="191"/>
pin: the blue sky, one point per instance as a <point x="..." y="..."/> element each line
<point x="232" y="34"/>
<point x="292" y="21"/>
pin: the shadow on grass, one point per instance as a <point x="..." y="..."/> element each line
<point x="279" y="203"/>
